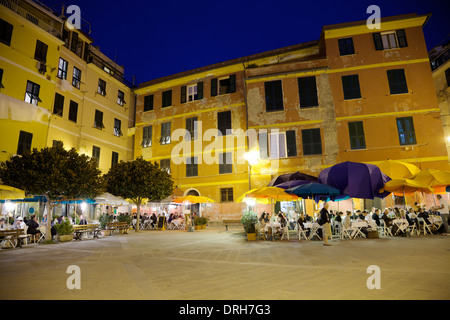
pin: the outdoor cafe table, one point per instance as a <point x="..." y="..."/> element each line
<point x="402" y="224"/>
<point x="314" y="229"/>
<point x="272" y="225"/>
<point x="357" y="226"/>
<point x="176" y="223"/>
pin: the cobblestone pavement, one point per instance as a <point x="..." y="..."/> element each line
<point x="215" y="264"/>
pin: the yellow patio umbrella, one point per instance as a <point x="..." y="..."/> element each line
<point x="273" y="193"/>
<point x="7" y="192"/>
<point x="243" y="197"/>
<point x="398" y="169"/>
<point x="399" y="172"/>
<point x="405" y="187"/>
<point x="432" y="178"/>
<point x="193" y="199"/>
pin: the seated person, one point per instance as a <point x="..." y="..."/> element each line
<point x="346" y="222"/>
<point x="33" y="226"/>
<point x="338" y="220"/>
<point x="386" y="219"/>
<point x="301" y="220"/>
<point x="83" y="220"/>
<point x="262" y="218"/>
<point x="282" y="220"/>
<point x="355" y="215"/>
<point x="362" y="215"/>
<point x="376" y="217"/>
<point x="424" y="215"/>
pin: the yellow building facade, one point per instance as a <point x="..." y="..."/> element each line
<point x="57" y="88"/>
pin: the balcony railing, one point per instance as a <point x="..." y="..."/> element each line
<point x="52" y="26"/>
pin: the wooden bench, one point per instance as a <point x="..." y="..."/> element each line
<point x="79" y="229"/>
<point x="121" y="226"/>
<point x="227" y="222"/>
<point x="14" y="237"/>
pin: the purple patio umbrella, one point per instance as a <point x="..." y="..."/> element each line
<point x="357" y="180"/>
<point x="291" y="176"/>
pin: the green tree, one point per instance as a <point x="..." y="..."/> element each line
<point x="138" y="180"/>
<point x="54" y="173"/>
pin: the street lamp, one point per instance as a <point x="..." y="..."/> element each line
<point x="252" y="158"/>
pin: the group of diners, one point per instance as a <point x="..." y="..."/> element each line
<point x="435" y="218"/>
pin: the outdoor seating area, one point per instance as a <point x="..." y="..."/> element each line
<point x="357" y="228"/>
<point x="353" y="181"/>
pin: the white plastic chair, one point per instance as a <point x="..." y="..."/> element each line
<point x="24" y="236"/>
<point x="425" y="227"/>
<point x="301" y="233"/>
<point x="385" y="229"/>
<point x="346" y="232"/>
<point x="42" y="229"/>
<point x="412" y="229"/>
<point x="285" y="232"/>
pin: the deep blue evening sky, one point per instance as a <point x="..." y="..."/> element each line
<point x="153" y="39"/>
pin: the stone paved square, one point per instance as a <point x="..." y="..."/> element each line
<point x="215" y="264"/>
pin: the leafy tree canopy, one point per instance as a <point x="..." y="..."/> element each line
<point x="139" y="179"/>
<point x="55" y="173"/>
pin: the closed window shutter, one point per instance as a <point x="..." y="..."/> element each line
<point x="232" y="83"/>
<point x="401" y="37"/>
<point x="263" y="148"/>
<point x="199" y="90"/>
<point x="183" y="94"/>
<point x="291" y="143"/>
<point x="377" y="41"/>
<point x="213" y="87"/>
<point x="308" y="92"/>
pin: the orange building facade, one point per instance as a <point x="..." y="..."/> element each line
<point x="356" y="94"/>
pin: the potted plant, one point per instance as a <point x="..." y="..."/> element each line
<point x="104" y="219"/>
<point x="249" y="220"/>
<point x="200" y="223"/>
<point x="64" y="231"/>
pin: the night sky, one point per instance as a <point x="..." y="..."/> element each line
<point x="153" y="39"/>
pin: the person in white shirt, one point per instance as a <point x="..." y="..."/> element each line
<point x="370" y="221"/>
<point x="19" y="223"/>
<point x="347" y="220"/>
<point x="443" y="210"/>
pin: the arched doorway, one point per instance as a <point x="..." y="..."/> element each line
<point x="195" y="207"/>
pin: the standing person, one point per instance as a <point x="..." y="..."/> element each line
<point x="443" y="209"/>
<point x="325" y="222"/>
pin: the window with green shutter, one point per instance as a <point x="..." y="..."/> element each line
<point x="397" y="81"/>
<point x="191" y="167"/>
<point x="291" y="143"/>
<point x="191" y="129"/>
<point x="308" y="92"/>
<point x="356" y="133"/>
<point x="58" y="107"/>
<point x="148" y="102"/>
<point x="166" y="98"/>
<point x="221" y="86"/>
<point x="350" y="85"/>
<point x="274" y="95"/>
<point x="406" y="132"/>
<point x="165" y="133"/>
<point x="312" y="142"/>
